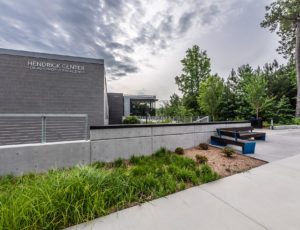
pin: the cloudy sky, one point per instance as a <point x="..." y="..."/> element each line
<point x="141" y="41"/>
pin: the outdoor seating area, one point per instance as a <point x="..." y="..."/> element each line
<point x="240" y="136"/>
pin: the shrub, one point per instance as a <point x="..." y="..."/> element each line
<point x="179" y="151"/>
<point x="148" y="122"/>
<point x="131" y="120"/>
<point x="296" y="121"/>
<point x="228" y="151"/>
<point x="203" y="146"/>
<point x="168" y="120"/>
<point x="201" y="159"/>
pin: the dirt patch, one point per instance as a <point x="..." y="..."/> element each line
<point x="225" y="166"/>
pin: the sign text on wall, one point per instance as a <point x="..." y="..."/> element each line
<point x="54" y="67"/>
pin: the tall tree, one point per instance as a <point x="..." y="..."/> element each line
<point x="285" y="15"/>
<point x="196" y="69"/>
<point x="210" y="95"/>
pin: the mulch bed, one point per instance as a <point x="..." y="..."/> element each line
<point x="225" y="166"/>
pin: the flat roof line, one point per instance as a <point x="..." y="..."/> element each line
<point x="51" y="56"/>
<point x="140" y="96"/>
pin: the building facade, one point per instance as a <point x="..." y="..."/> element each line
<point x="130" y="105"/>
<point x="53" y="84"/>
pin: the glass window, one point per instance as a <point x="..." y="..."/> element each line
<point x="142" y="107"/>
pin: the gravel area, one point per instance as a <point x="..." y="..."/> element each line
<point x="225" y="166"/>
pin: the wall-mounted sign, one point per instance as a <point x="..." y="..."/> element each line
<point x="54" y="67"/>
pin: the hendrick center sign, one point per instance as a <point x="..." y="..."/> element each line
<point x="54" y="67"/>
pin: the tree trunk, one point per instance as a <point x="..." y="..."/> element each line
<point x="297" y="54"/>
<point x="256" y="114"/>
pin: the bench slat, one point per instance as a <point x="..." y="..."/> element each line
<point x="248" y="128"/>
<point x="249" y="135"/>
<point x="227" y="140"/>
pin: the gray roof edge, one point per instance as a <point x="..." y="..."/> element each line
<point x="141" y="96"/>
<point x="51" y="56"/>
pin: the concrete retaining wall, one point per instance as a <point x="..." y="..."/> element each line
<point x="281" y="127"/>
<point x="106" y="144"/>
<point x="111" y="143"/>
<point x="18" y="159"/>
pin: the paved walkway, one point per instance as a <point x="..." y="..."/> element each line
<point x="266" y="197"/>
<point x="279" y="144"/>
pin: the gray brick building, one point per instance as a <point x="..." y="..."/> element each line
<point x="46" y="83"/>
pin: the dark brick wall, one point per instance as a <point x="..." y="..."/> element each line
<point x="116" y="107"/>
<point x="23" y="90"/>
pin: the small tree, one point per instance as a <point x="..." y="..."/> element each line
<point x="210" y="95"/>
<point x="256" y="92"/>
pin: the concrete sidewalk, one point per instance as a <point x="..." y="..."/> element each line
<point x="279" y="144"/>
<point x="262" y="198"/>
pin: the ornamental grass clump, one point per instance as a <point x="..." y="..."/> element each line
<point x="207" y="174"/>
<point x="201" y="159"/>
<point x="133" y="160"/>
<point x="61" y="198"/>
<point x="203" y="146"/>
<point x="228" y="151"/>
<point x="119" y="163"/>
<point x="179" y="151"/>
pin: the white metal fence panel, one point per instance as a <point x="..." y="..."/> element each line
<point x="41" y="128"/>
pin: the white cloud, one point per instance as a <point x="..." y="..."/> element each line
<point x="142" y="42"/>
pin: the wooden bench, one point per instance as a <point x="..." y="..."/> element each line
<point x="247" y="146"/>
<point x="238" y="136"/>
<point x="244" y="133"/>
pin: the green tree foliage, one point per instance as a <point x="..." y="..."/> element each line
<point x="227" y="105"/>
<point x="196" y="69"/>
<point x="283" y="112"/>
<point x="256" y="93"/>
<point x="281" y="81"/>
<point x="283" y="16"/>
<point x="171" y="107"/>
<point x="237" y="82"/>
<point x="174" y="108"/>
<point x="210" y="95"/>
<point x="246" y="92"/>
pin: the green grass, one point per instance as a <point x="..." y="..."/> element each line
<point x="65" y="197"/>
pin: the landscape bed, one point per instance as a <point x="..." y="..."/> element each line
<point x="224" y="166"/>
<point x="61" y="198"/>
